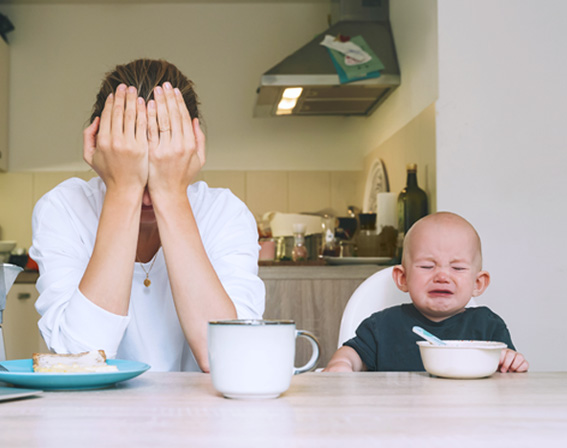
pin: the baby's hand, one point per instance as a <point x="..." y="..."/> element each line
<point x="511" y="361"/>
<point x="338" y="367"/>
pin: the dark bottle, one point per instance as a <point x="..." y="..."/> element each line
<point x="412" y="203"/>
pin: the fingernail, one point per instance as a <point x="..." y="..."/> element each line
<point x="167" y="85"/>
<point x="140" y="100"/>
<point x="122" y="87"/>
<point x="159" y="90"/>
<point x="177" y="91"/>
<point x="110" y="96"/>
<point x="132" y="89"/>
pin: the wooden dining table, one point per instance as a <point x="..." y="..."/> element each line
<point x="392" y="409"/>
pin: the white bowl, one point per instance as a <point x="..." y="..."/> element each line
<point x="7" y="246"/>
<point x="461" y="359"/>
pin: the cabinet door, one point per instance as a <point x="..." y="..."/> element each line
<point x="21" y="333"/>
<point x="315" y="305"/>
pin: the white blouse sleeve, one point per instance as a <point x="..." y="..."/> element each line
<point x="230" y="235"/>
<point x="64" y="230"/>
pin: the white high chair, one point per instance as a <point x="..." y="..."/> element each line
<point x="374" y="294"/>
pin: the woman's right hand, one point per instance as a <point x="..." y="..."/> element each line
<point x="116" y="145"/>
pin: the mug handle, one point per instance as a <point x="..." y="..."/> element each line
<point x="312" y="363"/>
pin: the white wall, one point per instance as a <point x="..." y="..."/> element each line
<point x="414" y="25"/>
<point x="59" y="53"/>
<point x="501" y="156"/>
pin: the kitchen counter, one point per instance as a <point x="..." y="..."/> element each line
<point x="27" y="277"/>
<point x="315" y="298"/>
<point x="354" y="272"/>
<point x="312" y="296"/>
<point x="280" y="272"/>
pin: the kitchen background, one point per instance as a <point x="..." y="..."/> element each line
<point x="481" y="110"/>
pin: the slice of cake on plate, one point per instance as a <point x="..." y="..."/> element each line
<point x="87" y="362"/>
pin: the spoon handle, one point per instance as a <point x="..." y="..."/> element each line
<point x="427" y="336"/>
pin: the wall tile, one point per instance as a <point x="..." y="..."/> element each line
<point x="85" y="175"/>
<point x="44" y="181"/>
<point x="234" y="180"/>
<point x="309" y="191"/>
<point x="347" y="188"/>
<point x="267" y="191"/>
<point x="16" y="207"/>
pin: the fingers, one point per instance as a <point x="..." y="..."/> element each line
<point x="200" y="140"/>
<point x="117" y="126"/>
<point x="153" y="132"/>
<point x="89" y="140"/>
<point x="164" y="126"/>
<point x="106" y="115"/>
<point x="130" y="112"/>
<point x="173" y="109"/>
<point x="511" y="361"/>
<point x="141" y="121"/>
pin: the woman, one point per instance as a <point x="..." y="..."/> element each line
<point x="138" y="260"/>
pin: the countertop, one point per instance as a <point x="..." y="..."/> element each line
<point x="282" y="272"/>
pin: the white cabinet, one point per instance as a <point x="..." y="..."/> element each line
<point x="4" y="88"/>
<point x="21" y="333"/>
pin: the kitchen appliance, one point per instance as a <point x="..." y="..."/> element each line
<point x="312" y="75"/>
<point x="8" y="274"/>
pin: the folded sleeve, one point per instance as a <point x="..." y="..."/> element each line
<point x="63" y="237"/>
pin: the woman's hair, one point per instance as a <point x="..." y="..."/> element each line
<point x="145" y="74"/>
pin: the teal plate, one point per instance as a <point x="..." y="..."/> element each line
<point x="21" y="374"/>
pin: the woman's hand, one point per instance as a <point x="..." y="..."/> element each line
<point x="116" y="144"/>
<point x="176" y="143"/>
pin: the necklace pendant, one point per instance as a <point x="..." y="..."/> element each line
<point x="147" y="282"/>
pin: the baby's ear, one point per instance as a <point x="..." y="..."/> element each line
<point x="481" y="283"/>
<point x="399" y="276"/>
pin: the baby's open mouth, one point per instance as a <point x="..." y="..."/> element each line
<point x="440" y="293"/>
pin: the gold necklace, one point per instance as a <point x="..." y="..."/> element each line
<point x="147" y="281"/>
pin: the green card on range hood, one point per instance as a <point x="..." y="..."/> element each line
<point x="311" y="68"/>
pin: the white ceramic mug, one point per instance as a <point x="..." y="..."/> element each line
<point x="252" y="358"/>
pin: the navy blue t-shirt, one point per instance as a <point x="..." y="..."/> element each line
<point x="385" y="340"/>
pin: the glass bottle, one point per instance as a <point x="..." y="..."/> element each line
<point x="367" y="239"/>
<point x="412" y="204"/>
<point x="299" y="252"/>
<point x="329" y="247"/>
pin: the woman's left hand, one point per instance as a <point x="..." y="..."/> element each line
<point x="176" y="143"/>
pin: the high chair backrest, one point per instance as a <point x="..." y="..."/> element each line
<point x="374" y="294"/>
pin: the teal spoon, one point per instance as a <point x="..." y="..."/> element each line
<point x="427" y="336"/>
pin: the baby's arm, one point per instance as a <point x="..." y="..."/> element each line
<point x="511" y="361"/>
<point x="345" y="359"/>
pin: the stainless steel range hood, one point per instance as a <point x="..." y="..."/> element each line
<point x="311" y="68"/>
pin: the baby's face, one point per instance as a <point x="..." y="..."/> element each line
<point x="442" y="269"/>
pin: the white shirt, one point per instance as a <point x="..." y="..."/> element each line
<point x="64" y="225"/>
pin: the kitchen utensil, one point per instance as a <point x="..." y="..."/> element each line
<point x="427" y="336"/>
<point x="8" y="274"/>
<point x="254" y="359"/>
<point x="3" y="369"/>
<point x="461" y="359"/>
<point x="21" y="374"/>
